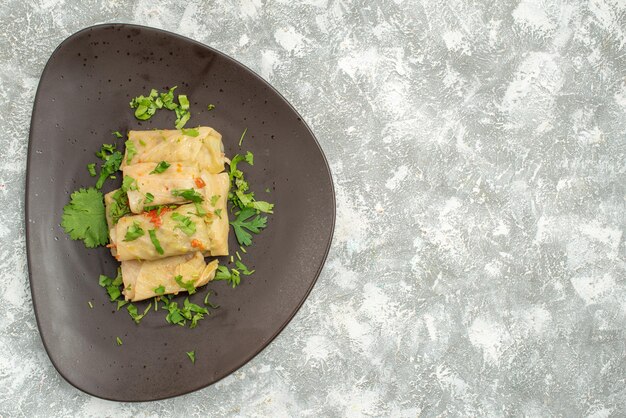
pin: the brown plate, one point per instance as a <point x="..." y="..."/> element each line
<point x="82" y="97"/>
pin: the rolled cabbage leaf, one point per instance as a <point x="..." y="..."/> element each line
<point x="205" y="148"/>
<point x="216" y="196"/>
<point x="161" y="233"/>
<point x="143" y="278"/>
<point x="161" y="185"/>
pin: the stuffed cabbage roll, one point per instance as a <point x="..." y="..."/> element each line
<point x="145" y="279"/>
<point x="202" y="145"/>
<point x="216" y="195"/>
<point x="161" y="233"/>
<point x="161" y="187"/>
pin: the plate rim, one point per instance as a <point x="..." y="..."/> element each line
<point x="27" y="200"/>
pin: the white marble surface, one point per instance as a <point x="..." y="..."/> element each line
<point x="478" y="266"/>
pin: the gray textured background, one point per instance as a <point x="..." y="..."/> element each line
<point x="478" y="266"/>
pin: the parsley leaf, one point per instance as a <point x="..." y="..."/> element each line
<point x="184" y="102"/>
<point x="149" y="198"/>
<point x="145" y="107"/>
<point x="160" y="167"/>
<point x="92" y="169"/>
<point x="199" y="209"/>
<point x="188" y="286"/>
<point x="112" y="285"/>
<point x="242" y="268"/>
<point x="218" y="213"/>
<point x="168" y="99"/>
<point x="207" y="302"/>
<point x="190" y="132"/>
<point x="159" y="290"/>
<point x="133" y="232"/>
<point x="112" y="160"/>
<point x="211" y="107"/>
<point x="214" y="199"/>
<point x="129" y="183"/>
<point x="137" y="317"/>
<point x="182" y="116"/>
<point x="232" y="276"/>
<point x="185" y="223"/>
<point x="117" y="134"/>
<point x="131" y="150"/>
<point x="155" y="241"/>
<point x="119" y="340"/>
<point x="243" y="222"/>
<point x="239" y="195"/>
<point x="249" y="158"/>
<point x="192" y="356"/>
<point x="188" y="194"/>
<point x="84" y="218"/>
<point x="119" y="206"/>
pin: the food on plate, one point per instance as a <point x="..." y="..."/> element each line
<point x="202" y="145"/>
<point x="154" y="184"/>
<point x="171" y="275"/>
<point x="170" y="212"/>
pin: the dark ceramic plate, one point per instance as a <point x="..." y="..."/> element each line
<point x="83" y="96"/>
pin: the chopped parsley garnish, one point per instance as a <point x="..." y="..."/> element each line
<point x="218" y="213"/>
<point x="119" y="340"/>
<point x="92" y="169"/>
<point x="267" y="190"/>
<point x="242" y="268"/>
<point x="137" y="317"/>
<point x="182" y="111"/>
<point x="192" y="356"/>
<point x="146" y="106"/>
<point x="121" y="303"/>
<point x="188" y="194"/>
<point x="90" y="304"/>
<point x="158" y="208"/>
<point x="239" y="194"/>
<point x="214" y="199"/>
<point x="188" y="312"/>
<point x="112" y="160"/>
<point x="149" y="198"/>
<point x="211" y="107"/>
<point x="232" y="276"/>
<point x="84" y="218"/>
<point x="249" y="157"/>
<point x="112" y="285"/>
<point x="160" y="167"/>
<point x="242" y="135"/>
<point x="133" y="232"/>
<point x="119" y="206"/>
<point x="131" y="150"/>
<point x="207" y="302"/>
<point x="185" y="223"/>
<point x="159" y="291"/>
<point x="168" y="99"/>
<point x="188" y="286"/>
<point x="117" y="134"/>
<point x="105" y="150"/>
<point x="199" y="209"/>
<point x="155" y="241"/>
<point x="243" y="223"/>
<point x="129" y="183"/>
<point x="190" y="132"/>
<point x="184" y="102"/>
